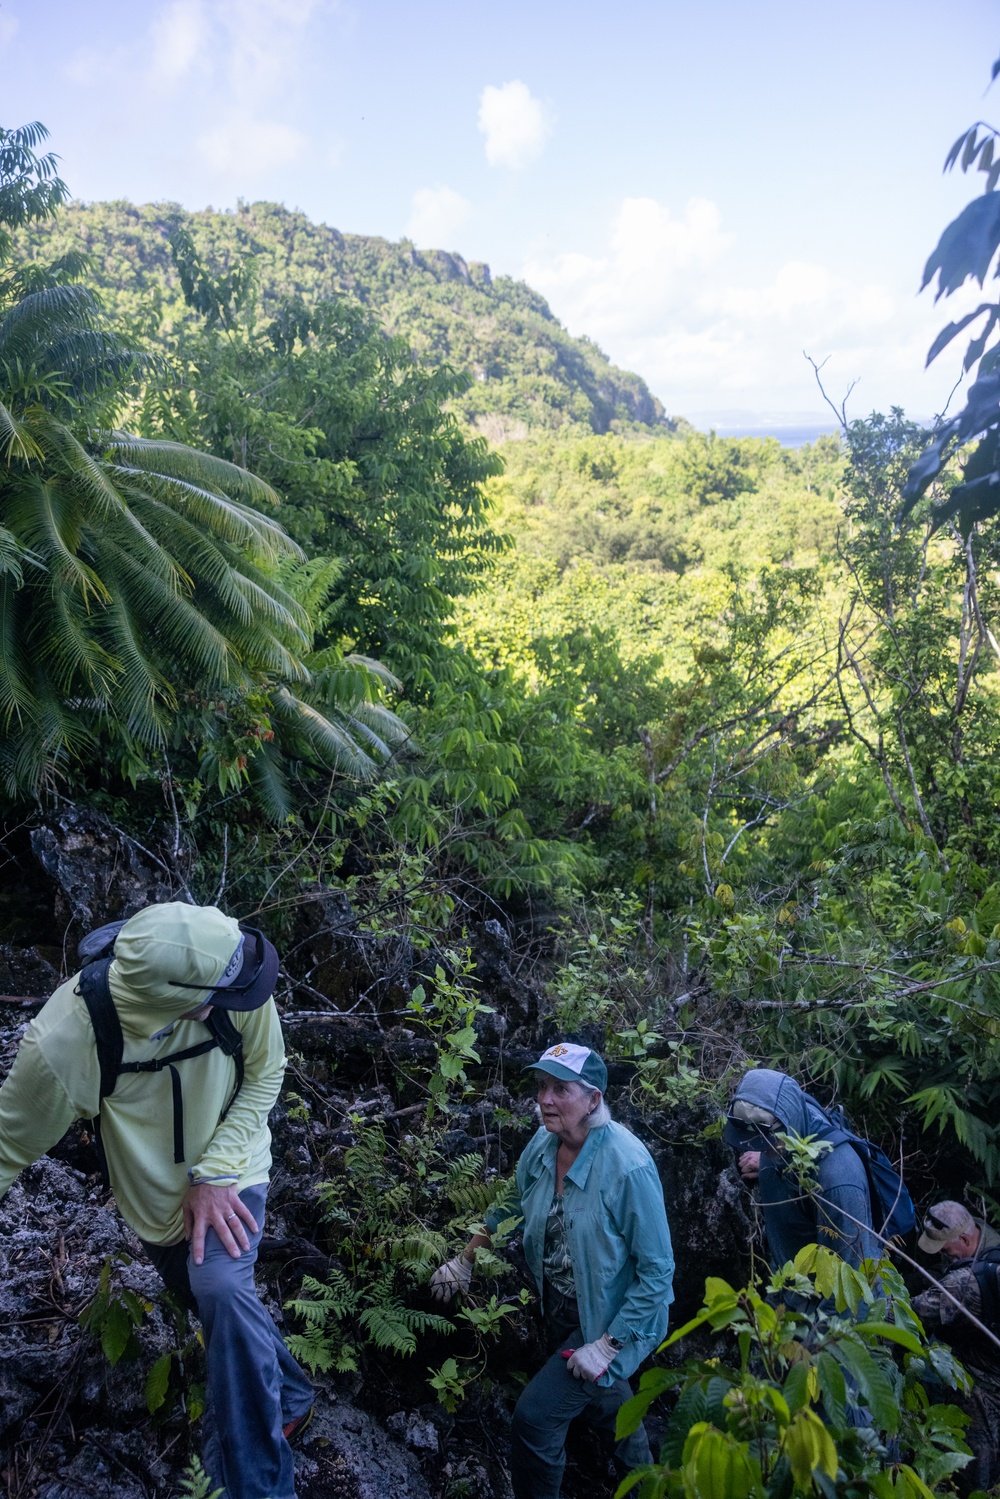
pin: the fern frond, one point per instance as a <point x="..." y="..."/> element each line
<point x="196" y="1484"/>
<point x="419" y="1252"/>
<point x="321" y="1351"/>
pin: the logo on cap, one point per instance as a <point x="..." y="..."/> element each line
<point x="567" y="1055"/>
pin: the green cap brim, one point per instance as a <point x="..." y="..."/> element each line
<point x="556" y="1069"/>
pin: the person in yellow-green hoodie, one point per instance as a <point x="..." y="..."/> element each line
<point x="187" y="1149"/>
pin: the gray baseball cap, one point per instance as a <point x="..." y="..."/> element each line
<point x="942" y="1223"/>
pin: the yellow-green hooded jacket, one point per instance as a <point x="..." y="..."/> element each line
<point x="55" y="1078"/>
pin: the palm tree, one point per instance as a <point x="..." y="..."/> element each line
<point x="129" y="569"/>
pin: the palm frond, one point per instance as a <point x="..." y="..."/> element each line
<point x="225" y="517"/>
<point x="20" y="443"/>
<point x="269" y="784"/>
<point x="202" y="470"/>
<point x="332" y="744"/>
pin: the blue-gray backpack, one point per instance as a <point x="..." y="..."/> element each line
<point x="893" y="1213"/>
<point x="97" y="952"/>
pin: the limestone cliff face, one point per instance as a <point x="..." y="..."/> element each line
<point x="527" y="369"/>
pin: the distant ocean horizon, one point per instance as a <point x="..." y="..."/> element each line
<point x="789" y="437"/>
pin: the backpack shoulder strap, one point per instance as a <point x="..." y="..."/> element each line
<point x="96" y="993"/>
<point x="986" y="1269"/>
<point x="228" y="1038"/>
<point x="230" y="1041"/>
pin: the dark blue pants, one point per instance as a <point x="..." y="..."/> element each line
<point x="254" y="1384"/>
<point x="542" y="1418"/>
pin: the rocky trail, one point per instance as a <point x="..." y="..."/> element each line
<point x="74" y="1425"/>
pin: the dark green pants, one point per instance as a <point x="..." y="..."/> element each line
<point x="542" y="1417"/>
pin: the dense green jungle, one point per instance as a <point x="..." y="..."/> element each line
<point x="341" y="587"/>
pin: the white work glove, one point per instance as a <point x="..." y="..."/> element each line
<point x="451" y="1278"/>
<point x="591" y="1361"/>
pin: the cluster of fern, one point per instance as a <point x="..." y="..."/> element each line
<point x="391" y="1218"/>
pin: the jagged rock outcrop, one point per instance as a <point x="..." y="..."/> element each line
<point x="98" y="872"/>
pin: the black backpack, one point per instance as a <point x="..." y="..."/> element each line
<point x="97" y="951"/>
<point x="986" y="1268"/>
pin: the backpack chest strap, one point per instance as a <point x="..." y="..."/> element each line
<point x="95" y="989"/>
<point x="159" y="1064"/>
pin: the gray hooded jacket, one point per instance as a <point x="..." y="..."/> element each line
<point x="793" y="1218"/>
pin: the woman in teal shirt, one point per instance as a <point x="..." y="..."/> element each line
<point x="598" y="1247"/>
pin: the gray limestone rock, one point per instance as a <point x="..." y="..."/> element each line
<point x="347" y="1455"/>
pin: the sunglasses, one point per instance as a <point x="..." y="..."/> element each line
<point x="931" y="1222"/>
<point x="249" y="931"/>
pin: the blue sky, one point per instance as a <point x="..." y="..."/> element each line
<point x="704" y="188"/>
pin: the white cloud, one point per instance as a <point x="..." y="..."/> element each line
<point x="436" y="215"/>
<point x="241" y="144"/>
<point x="651" y="256"/>
<point x="263" y="41"/>
<point x="228" y="67"/>
<point x="669" y="298"/>
<point x="179" y="36"/>
<point x="516" y="125"/>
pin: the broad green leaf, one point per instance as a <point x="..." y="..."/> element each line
<point x="796" y="1386"/>
<point x="809" y="1446"/>
<point x="116" y="1331"/>
<point x="632" y="1413"/>
<point x="889" y="1330"/>
<point x="832" y="1387"/>
<point x="872" y="1382"/>
<point x="717" y="1466"/>
<point x="909" y="1484"/>
<point x="158" y="1382"/>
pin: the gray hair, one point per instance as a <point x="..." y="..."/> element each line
<point x="597" y="1118"/>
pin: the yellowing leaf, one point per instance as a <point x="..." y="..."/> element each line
<point x="716" y="1466"/>
<point x="809" y="1446"/>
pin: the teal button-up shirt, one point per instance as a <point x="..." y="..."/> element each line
<point x="619" y="1240"/>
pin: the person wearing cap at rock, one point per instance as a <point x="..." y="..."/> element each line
<point x="199" y="1218"/>
<point x="972" y="1249"/>
<point x="598" y="1247"/>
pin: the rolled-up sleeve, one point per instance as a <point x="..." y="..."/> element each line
<point x="640" y="1217"/>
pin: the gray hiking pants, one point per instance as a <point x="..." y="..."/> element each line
<point x="542" y="1418"/>
<point x="254" y="1384"/>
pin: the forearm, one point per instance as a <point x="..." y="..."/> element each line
<point x="231" y="1148"/>
<point x="644" y="1302"/>
<point x="478" y="1241"/>
<point x="35" y="1113"/>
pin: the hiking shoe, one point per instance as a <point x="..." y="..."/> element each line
<point x="292" y="1430"/>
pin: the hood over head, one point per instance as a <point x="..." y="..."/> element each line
<point x="780" y="1095"/>
<point x="164" y="947"/>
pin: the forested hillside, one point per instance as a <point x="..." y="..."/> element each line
<point x="526" y="369"/>
<point x="682" y="747"/>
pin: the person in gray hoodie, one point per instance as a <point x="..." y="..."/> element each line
<point x="837" y="1212"/>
